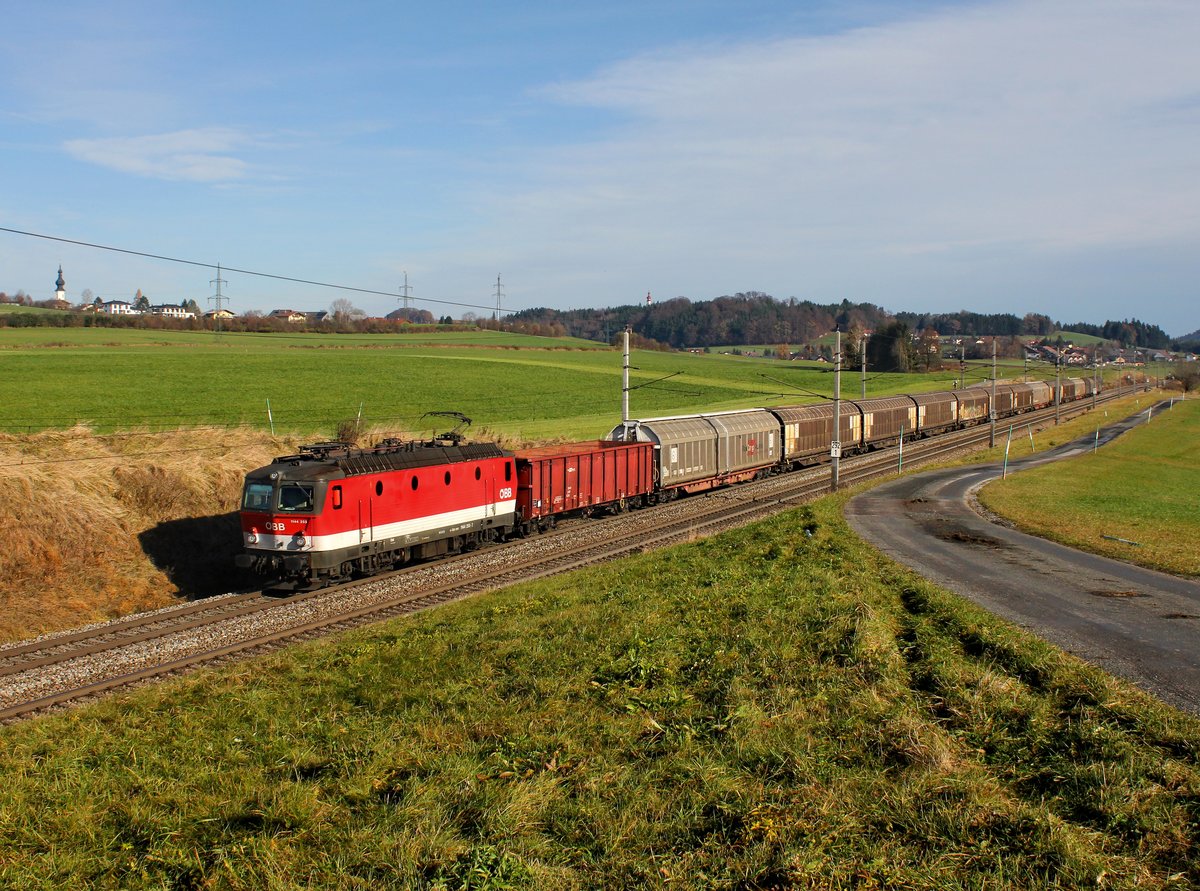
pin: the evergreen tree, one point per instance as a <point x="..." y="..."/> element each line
<point x="890" y="348"/>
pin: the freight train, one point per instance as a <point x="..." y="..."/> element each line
<point x="331" y="511"/>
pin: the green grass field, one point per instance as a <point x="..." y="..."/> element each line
<point x="775" y="710"/>
<point x="1076" y="338"/>
<point x="1141" y="488"/>
<point x="525" y="387"/>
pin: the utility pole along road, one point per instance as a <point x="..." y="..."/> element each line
<point x="1135" y="623"/>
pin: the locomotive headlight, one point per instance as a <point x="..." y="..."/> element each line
<point x="298" y="540"/>
<point x="252" y="538"/>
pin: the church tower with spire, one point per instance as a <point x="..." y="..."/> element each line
<point x="60" y="287"/>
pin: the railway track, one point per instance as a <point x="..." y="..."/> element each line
<point x="52" y="672"/>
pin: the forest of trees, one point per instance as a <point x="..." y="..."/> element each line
<point x="756" y="318"/>
<point x="749" y="318"/>
<point x="1129" y="333"/>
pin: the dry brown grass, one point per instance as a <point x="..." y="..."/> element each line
<point x="99" y="526"/>
<point x="95" y="527"/>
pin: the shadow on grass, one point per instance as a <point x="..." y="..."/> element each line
<point x="197" y="554"/>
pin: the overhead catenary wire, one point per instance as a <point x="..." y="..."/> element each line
<point x="225" y="268"/>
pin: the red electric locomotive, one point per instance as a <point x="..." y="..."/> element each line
<point x="333" y="511"/>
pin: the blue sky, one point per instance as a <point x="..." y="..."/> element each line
<point x="997" y="156"/>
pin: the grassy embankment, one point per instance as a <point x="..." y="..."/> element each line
<point x="94" y="527"/>
<point x="1141" y="488"/>
<point x="774" y="709"/>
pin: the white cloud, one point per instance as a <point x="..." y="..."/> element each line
<point x="1068" y="120"/>
<point x="198" y="155"/>
<point x="1010" y="128"/>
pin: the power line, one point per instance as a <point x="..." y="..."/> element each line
<point x="282" y="278"/>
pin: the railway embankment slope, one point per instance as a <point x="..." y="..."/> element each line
<point x="98" y="526"/>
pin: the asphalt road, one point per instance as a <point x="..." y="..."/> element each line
<point x="1138" y="624"/>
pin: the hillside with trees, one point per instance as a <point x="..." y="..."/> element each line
<point x="1187" y="342"/>
<point x="757" y="318"/>
<point x="744" y="318"/>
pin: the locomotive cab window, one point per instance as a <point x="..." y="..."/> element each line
<point x="295" y="497"/>
<point x="257" y="496"/>
<point x="507" y="471"/>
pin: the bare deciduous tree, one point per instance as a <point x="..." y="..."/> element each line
<point x="343" y="310"/>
